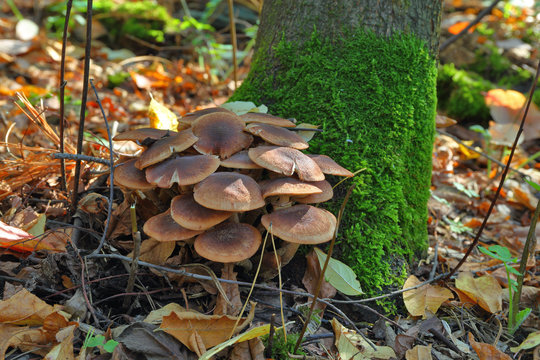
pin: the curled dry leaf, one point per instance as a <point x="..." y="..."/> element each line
<point x="419" y="352"/>
<point x="350" y="345"/>
<point x="487" y="351"/>
<point x="427" y="297"/>
<point x="484" y="291"/>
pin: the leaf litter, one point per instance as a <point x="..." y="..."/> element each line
<point x="33" y="227"/>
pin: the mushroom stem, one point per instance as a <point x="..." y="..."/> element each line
<point x="287" y="252"/>
<point x="235" y="218"/>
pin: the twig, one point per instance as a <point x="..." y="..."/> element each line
<point x="62" y="92"/>
<point x="82" y="116"/>
<point x="80" y="157"/>
<point x="321" y="275"/>
<point x="503" y="176"/>
<point x="479" y="17"/>
<point x="136" y="250"/>
<point x="234" y="42"/>
<point x="268" y="349"/>
<point x="528" y="250"/>
<point x="111" y="175"/>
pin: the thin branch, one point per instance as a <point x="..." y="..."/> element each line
<point x="479" y="17"/>
<point x="503" y="177"/>
<point x="82" y="116"/>
<point x="62" y="93"/>
<point x="234" y="42"/>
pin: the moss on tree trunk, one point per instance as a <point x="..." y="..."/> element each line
<point x="375" y="100"/>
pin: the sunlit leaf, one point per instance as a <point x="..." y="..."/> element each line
<point x="339" y="275"/>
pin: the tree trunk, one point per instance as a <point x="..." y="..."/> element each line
<point x="365" y="71"/>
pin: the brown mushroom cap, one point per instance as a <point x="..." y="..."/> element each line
<point x="228" y="191"/>
<point x="288" y="186"/>
<point x="129" y="176"/>
<point x="229" y="242"/>
<point x="220" y="134"/>
<point x="287" y="161"/>
<point x="278" y="136"/>
<point x="188" y="213"/>
<point x="326" y="193"/>
<point x="185" y="170"/>
<point x="142" y="134"/>
<point x="302" y="224"/>
<point x="261" y="118"/>
<point x="329" y="166"/>
<point x="162" y="227"/>
<point x="189" y="118"/>
<point x="166" y="147"/>
<point x="240" y="160"/>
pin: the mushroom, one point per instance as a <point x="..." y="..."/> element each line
<point x="278" y="136"/>
<point x="228" y="243"/>
<point x="261" y="118"/>
<point x="185" y="170"/>
<point x="299" y="224"/>
<point x="127" y="175"/>
<point x="229" y="191"/>
<point x="189" y="214"/>
<point x="165" y="148"/>
<point x="284" y="188"/>
<point x="326" y="193"/>
<point x="220" y="134"/>
<point x="189" y="118"/>
<point x="329" y="166"/>
<point x="162" y="227"/>
<point x="240" y="160"/>
<point x="287" y="161"/>
<point x="142" y="134"/>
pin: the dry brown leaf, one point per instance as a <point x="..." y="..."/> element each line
<point x="427" y="297"/>
<point x="419" y="352"/>
<point x="311" y="277"/>
<point x="24" y="308"/>
<point x="22" y="337"/>
<point x="232" y="292"/>
<point x="155" y="252"/>
<point x="63" y="350"/>
<point x="487" y="351"/>
<point x="248" y="350"/>
<point x="196" y="344"/>
<point x="212" y="329"/>
<point x="485" y="290"/>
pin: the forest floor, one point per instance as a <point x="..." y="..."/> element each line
<point x="59" y="303"/>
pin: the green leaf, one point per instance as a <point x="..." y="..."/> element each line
<point x="514" y="271"/>
<point x="520" y="318"/>
<point x="503" y="252"/>
<point x="110" y="345"/>
<point x="339" y="275"/>
<point x="534" y="185"/>
<point x="532" y="341"/>
<point x="94" y="341"/>
<point x="243" y="107"/>
<point x="463" y="189"/>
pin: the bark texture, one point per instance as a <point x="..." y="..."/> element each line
<point x="364" y="71"/>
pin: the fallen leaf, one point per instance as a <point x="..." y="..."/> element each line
<point x="155" y="252"/>
<point x="311" y="277"/>
<point x="212" y="329"/>
<point x="24" y="308"/>
<point x="248" y="350"/>
<point x="161" y="117"/>
<point x="339" y="275"/>
<point x="232" y="304"/>
<point x="532" y="341"/>
<point x="351" y="345"/>
<point x="487" y="351"/>
<point x="248" y="335"/>
<point x="419" y="352"/>
<point x="485" y="291"/>
<point x="427" y="297"/>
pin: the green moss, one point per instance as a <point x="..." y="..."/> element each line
<point x="375" y="99"/>
<point x="281" y="348"/>
<point x="460" y="93"/>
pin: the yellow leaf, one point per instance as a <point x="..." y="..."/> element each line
<point x="419" y="352"/>
<point x="485" y="290"/>
<point x="352" y="346"/>
<point x="248" y="335"/>
<point x="427" y="297"/>
<point x="161" y="117"/>
<point x="532" y="341"/>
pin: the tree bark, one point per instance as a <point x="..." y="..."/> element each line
<point x="365" y="71"/>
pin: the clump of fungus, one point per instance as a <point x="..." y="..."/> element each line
<point x="226" y="176"/>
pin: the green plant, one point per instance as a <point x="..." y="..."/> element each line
<point x="92" y="340"/>
<point x="281" y="348"/>
<point x="487" y="138"/>
<point x="515" y="319"/>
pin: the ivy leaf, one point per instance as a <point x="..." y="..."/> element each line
<point x="339" y="275"/>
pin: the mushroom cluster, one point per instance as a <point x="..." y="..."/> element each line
<point x="232" y="176"/>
